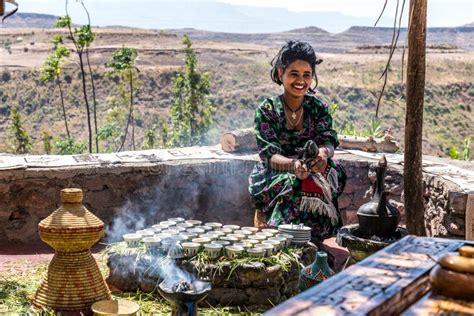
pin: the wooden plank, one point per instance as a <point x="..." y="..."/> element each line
<point x="385" y="283"/>
<point x="432" y="304"/>
<point x="470" y="216"/>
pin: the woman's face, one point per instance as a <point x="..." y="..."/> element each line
<point x="296" y="78"/>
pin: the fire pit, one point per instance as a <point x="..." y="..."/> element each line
<point x="184" y="296"/>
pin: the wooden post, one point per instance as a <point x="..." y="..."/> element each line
<point x="2" y="7"/>
<point x="413" y="178"/>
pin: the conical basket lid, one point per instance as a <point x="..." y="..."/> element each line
<point x="71" y="214"/>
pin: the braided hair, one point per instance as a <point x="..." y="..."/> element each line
<point x="290" y="52"/>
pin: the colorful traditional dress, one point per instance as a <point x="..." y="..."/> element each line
<point x="279" y="194"/>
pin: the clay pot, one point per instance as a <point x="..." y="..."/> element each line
<point x="316" y="272"/>
<point x="452" y="284"/>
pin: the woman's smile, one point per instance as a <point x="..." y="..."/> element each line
<point x="297" y="78"/>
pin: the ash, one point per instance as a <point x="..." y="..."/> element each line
<point x="182" y="286"/>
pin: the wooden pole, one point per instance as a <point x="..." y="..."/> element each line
<point x="2" y="7"/>
<point x="413" y="177"/>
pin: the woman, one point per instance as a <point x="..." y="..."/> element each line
<point x="285" y="189"/>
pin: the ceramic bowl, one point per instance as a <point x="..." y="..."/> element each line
<point x="219" y="233"/>
<point x="270" y="231"/>
<point x="243" y="232"/>
<point x="145" y="233"/>
<point x="189" y="235"/>
<point x="193" y="222"/>
<point x="257" y="237"/>
<point x="185" y="225"/>
<point x="211" y="236"/>
<point x="168" y="223"/>
<point x="282" y="241"/>
<point x="289" y="238"/>
<point x="229" y="239"/>
<point x="170" y="231"/>
<point x="202" y="240"/>
<point x="157" y="228"/>
<point x="275" y="243"/>
<point x="213" y="250"/>
<point x="266" y="235"/>
<point x="180" y="238"/>
<point x="176" y="220"/>
<point x="243" y="245"/>
<point x="232" y="227"/>
<point x="251" y="242"/>
<point x="249" y="228"/>
<point x="190" y="248"/>
<point x="166" y="244"/>
<point x="152" y="244"/>
<point x="224" y="230"/>
<point x="238" y="236"/>
<point x="256" y="252"/>
<point x="179" y="229"/>
<point x="268" y="249"/>
<point x="221" y="242"/>
<point x="206" y="228"/>
<point x="132" y="240"/>
<point x="163" y="236"/>
<point x="233" y="252"/>
<point x="213" y="225"/>
<point x="195" y="230"/>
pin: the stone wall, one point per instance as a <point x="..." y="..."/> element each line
<point x="129" y="197"/>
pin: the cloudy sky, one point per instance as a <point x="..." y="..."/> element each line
<point x="203" y="13"/>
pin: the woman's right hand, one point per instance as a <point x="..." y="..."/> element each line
<point x="301" y="171"/>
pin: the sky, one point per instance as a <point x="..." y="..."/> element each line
<point x="441" y="13"/>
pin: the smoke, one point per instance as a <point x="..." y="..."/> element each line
<point x="128" y="220"/>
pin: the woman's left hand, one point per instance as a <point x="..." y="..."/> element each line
<point x="321" y="161"/>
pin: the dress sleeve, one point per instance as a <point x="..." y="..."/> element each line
<point x="266" y="131"/>
<point x="326" y="135"/>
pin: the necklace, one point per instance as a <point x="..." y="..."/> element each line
<point x="293" y="115"/>
<point x="293" y="125"/>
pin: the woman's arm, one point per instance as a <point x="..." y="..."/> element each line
<point x="281" y="163"/>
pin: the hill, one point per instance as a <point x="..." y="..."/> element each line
<point x="238" y="65"/>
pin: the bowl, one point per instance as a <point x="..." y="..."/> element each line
<point x="243" y="232"/>
<point x="206" y="228"/>
<point x="193" y="222"/>
<point x="260" y="238"/>
<point x="256" y="252"/>
<point x="219" y="233"/>
<point x="232" y="227"/>
<point x="223" y="243"/>
<point x="170" y="231"/>
<point x="251" y="242"/>
<point x="115" y="307"/>
<point x="213" y="250"/>
<point x="152" y="244"/>
<point x="213" y="225"/>
<point x="168" y="223"/>
<point x="238" y="236"/>
<point x="211" y="236"/>
<point x="179" y="229"/>
<point x="275" y="244"/>
<point x="202" y="240"/>
<point x="243" y="245"/>
<point x="249" y="228"/>
<point x="159" y="226"/>
<point x="132" y="240"/>
<point x="224" y="230"/>
<point x="266" y="235"/>
<point x="185" y="225"/>
<point x="282" y="241"/>
<point x="270" y="231"/>
<point x="190" y="248"/>
<point x="195" y="230"/>
<point x="268" y="249"/>
<point x="163" y="236"/>
<point x="176" y="220"/>
<point x="145" y="232"/>
<point x="229" y="239"/>
<point x="179" y="238"/>
<point x="166" y="244"/>
<point x="289" y="238"/>
<point x="233" y="252"/>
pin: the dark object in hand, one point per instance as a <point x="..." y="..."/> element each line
<point x="308" y="154"/>
<point x="182" y="286"/>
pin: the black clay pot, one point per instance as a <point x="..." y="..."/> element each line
<point x="378" y="217"/>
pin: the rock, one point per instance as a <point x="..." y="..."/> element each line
<point x="232" y="296"/>
<point x="263" y="296"/>
<point x="458" y="202"/>
<point x="272" y="276"/>
<point x="344" y="201"/>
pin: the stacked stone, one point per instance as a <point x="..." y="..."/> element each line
<point x="253" y="285"/>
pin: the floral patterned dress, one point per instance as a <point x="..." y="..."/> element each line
<point x="278" y="194"/>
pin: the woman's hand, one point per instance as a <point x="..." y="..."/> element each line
<point x="321" y="162"/>
<point x="301" y="171"/>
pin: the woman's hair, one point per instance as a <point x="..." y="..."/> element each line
<point x="290" y="52"/>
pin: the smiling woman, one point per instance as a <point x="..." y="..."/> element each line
<point x="285" y="189"/>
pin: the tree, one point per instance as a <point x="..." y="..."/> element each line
<point x="191" y="110"/>
<point x="22" y="142"/>
<point x="81" y="37"/>
<point x="413" y="175"/>
<point x="149" y="140"/>
<point x="123" y="63"/>
<point x="52" y="71"/>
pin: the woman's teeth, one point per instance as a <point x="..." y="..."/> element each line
<point x="299" y="87"/>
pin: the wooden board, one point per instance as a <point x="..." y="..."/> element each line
<point x="385" y="283"/>
<point x="470" y="216"/>
<point x="432" y="304"/>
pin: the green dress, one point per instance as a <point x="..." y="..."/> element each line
<point x="278" y="194"/>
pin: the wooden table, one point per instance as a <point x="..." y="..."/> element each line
<point x="390" y="282"/>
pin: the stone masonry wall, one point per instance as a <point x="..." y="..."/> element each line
<point x="129" y="197"/>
